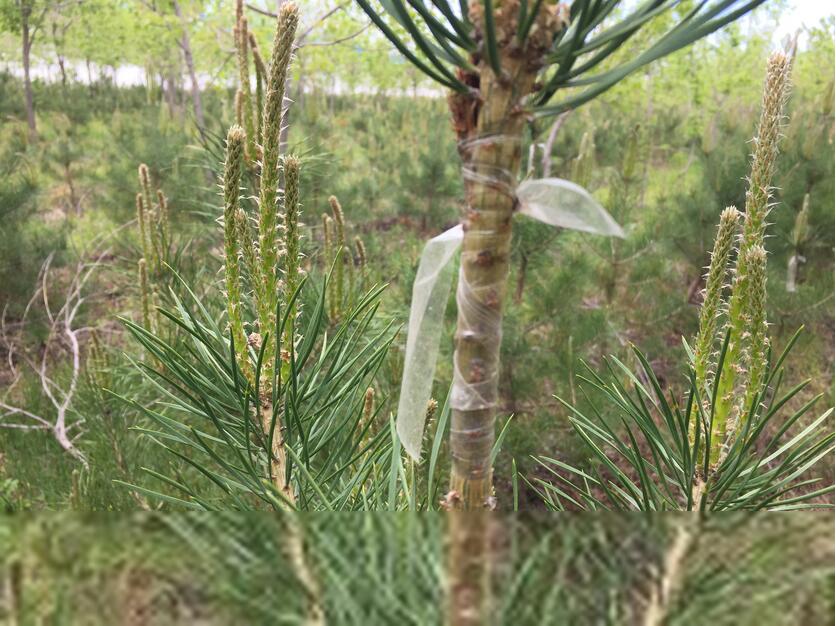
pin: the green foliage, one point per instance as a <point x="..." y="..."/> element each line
<point x="381" y="151"/>
<point x="319" y="401"/>
<point x="581" y="40"/>
<point x="584" y="569"/>
<point x="730" y="403"/>
<point x="25" y="237"/>
<point x="656" y="463"/>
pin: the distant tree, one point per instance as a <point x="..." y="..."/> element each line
<point x="25" y="17"/>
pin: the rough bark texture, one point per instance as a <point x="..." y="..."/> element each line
<point x="489" y="127"/>
<point x="469" y="572"/>
<point x="296" y="552"/>
<point x="669" y="585"/>
<point x="278" y="459"/>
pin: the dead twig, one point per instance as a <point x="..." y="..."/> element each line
<point x="63" y="335"/>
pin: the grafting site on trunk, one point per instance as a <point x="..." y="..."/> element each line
<point x="489" y="124"/>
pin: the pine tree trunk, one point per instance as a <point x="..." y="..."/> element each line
<point x="297" y="553"/>
<point x="185" y="45"/>
<point x="15" y="593"/>
<point x="27" y="79"/>
<point x="491" y="156"/>
<point x="491" y="161"/>
<point x="469" y="568"/>
<point x="490" y="127"/>
<point x="278" y="457"/>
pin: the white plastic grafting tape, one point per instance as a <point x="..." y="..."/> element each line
<point x="426" y="316"/>
<point x="562" y="203"/>
<point x="549" y="200"/>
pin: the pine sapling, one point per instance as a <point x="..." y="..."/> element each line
<point x="711" y="310"/>
<point x="339" y="244"/>
<point x="142" y="221"/>
<point x="360" y="247"/>
<point x="144" y="295"/>
<point x="150" y="218"/>
<point x="235" y="142"/>
<point x="165" y="226"/>
<point x="328" y="245"/>
<point x="145" y="187"/>
<point x="504" y="64"/>
<point x="152" y="222"/>
<point x="733" y="382"/>
<point x="268" y="248"/>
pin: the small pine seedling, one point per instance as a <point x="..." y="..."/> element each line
<point x="740" y="378"/>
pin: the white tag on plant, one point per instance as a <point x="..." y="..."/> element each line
<point x="552" y="201"/>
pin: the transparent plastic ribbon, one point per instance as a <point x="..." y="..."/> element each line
<point x="552" y="201"/>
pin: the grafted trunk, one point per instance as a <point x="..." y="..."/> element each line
<point x="490" y="130"/>
<point x="469" y="571"/>
<point x="297" y="553"/>
<point x="278" y="460"/>
<point x="491" y="160"/>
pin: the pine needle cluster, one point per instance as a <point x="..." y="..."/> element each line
<point x="276" y="253"/>
<point x="741" y="376"/>
<point x="153" y="222"/>
<point x="350" y="270"/>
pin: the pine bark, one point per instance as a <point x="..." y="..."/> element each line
<point x="491" y="163"/>
<point x="490" y="127"/>
<point x="469" y="570"/>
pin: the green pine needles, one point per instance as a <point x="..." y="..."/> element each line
<point x="350" y="270"/>
<point x="727" y="446"/>
<point x="263" y="262"/>
<point x="265" y="406"/>
<point x="235" y="141"/>
<point x="154" y="232"/>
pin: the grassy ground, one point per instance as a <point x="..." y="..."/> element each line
<point x="131" y="569"/>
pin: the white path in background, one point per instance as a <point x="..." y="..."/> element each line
<point x="135" y="76"/>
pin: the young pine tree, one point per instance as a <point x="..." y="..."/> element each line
<point x="503" y="62"/>
<point x="728" y="446"/>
